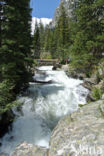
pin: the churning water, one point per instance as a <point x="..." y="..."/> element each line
<point x="42" y="107"/>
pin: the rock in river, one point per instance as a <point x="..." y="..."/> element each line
<point x="26" y="149"/>
<point x="80" y="134"/>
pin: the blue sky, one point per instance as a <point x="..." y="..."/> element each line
<point x="44" y="8"/>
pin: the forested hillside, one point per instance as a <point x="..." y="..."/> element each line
<point x="79" y="36"/>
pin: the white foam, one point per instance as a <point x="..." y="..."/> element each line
<point x="42" y="108"/>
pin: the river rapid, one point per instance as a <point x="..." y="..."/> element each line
<point x="42" y="107"/>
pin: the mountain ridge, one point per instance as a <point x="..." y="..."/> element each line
<point x="69" y="6"/>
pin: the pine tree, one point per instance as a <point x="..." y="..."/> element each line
<point x="53" y="43"/>
<point x="63" y="27"/>
<point x="89" y="28"/>
<point x="47" y="38"/>
<point x="15" y="48"/>
<point x="42" y="36"/>
<point x="36" y="42"/>
<point x="63" y="32"/>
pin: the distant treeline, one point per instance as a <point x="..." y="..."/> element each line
<point x="80" y="37"/>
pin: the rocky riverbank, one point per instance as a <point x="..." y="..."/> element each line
<point x="94" y="83"/>
<point x="78" y="134"/>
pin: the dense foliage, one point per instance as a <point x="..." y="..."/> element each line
<point x="88" y="37"/>
<point x="15" y="44"/>
<point x="80" y="37"/>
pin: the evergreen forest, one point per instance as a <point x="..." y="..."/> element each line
<point x="80" y="38"/>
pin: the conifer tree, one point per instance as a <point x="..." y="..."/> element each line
<point x="47" y="37"/>
<point x="37" y="42"/>
<point x="42" y="36"/>
<point x="63" y="32"/>
<point x="62" y="25"/>
<point x="53" y="43"/>
<point x="15" y="49"/>
<point x="87" y="47"/>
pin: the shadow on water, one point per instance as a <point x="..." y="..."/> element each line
<point x="44" y="90"/>
<point x="38" y="90"/>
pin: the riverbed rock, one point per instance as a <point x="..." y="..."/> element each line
<point x="100" y="85"/>
<point x="89" y="82"/>
<point x="54" y="68"/>
<point x="6" y="120"/>
<point x="92" y="80"/>
<point x="74" y="73"/>
<point x="26" y="149"/>
<point x="90" y="98"/>
<point x="80" y="134"/>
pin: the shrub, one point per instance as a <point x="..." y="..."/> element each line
<point x="96" y="93"/>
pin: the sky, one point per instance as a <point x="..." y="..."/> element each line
<point x="44" y="8"/>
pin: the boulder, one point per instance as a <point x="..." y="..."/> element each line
<point x="26" y="149"/>
<point x="81" y="133"/>
<point x="54" y="68"/>
<point x="100" y="85"/>
<point x="89" y="82"/>
<point x="74" y="73"/>
<point x="78" y="134"/>
<point x="90" y="98"/>
<point x="81" y="76"/>
<point x="92" y="80"/>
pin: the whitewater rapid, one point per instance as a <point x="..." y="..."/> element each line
<point x="41" y="108"/>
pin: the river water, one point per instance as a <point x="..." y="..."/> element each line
<point x="42" y="107"/>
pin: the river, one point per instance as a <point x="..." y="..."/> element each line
<point x="42" y="107"/>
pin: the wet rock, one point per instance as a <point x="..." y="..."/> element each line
<point x="26" y="149"/>
<point x="88" y="86"/>
<point x="6" y="120"/>
<point x="89" y="82"/>
<point x="90" y="98"/>
<point x="80" y="134"/>
<point x="81" y="76"/>
<point x="54" y="68"/>
<point x="100" y="85"/>
<point x="74" y="73"/>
